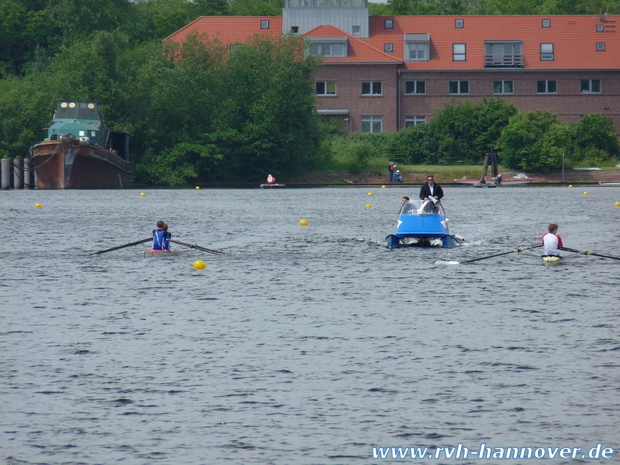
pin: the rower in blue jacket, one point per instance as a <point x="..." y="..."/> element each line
<point x="161" y="237"/>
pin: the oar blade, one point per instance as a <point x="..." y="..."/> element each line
<point x="198" y="247"/>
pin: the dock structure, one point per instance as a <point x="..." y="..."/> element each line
<point x="16" y="173"/>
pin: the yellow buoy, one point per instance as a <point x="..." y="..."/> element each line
<point x="303" y="223"/>
<point x="617" y="204"/>
<point x="570" y="185"/>
<point x="585" y="193"/>
<point x="382" y="187"/>
<point x="370" y="194"/>
<point x="143" y="194"/>
<point x="197" y="187"/>
<point x="199" y="265"/>
<point x="368" y="206"/>
<point x="37" y="205"/>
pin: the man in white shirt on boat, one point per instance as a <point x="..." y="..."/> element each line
<point x="552" y="241"/>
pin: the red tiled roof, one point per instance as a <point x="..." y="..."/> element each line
<point x="230" y="29"/>
<point x="359" y="50"/>
<point x="574" y="38"/>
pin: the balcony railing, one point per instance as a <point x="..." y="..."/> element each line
<point x="503" y="61"/>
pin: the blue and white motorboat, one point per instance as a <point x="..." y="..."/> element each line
<point x="422" y="224"/>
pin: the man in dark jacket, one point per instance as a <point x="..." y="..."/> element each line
<point x="431" y="191"/>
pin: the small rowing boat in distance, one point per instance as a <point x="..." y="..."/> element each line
<point x="271" y="186"/>
<point x="609" y="184"/>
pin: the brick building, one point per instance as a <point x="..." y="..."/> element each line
<point x="384" y="73"/>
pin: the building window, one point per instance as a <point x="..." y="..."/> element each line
<point x="355" y="30"/>
<point x="546" y="23"/>
<point x="502" y="87"/>
<point x="415" y="87"/>
<point x="546" y="52"/>
<point x="503" y="54"/>
<point x="600" y="28"/>
<point x="547" y="87"/>
<point x="389" y="23"/>
<point x="600" y="46"/>
<point x="459" y="23"/>
<point x="416" y="52"/>
<point x="295" y="29"/>
<point x="590" y="86"/>
<point x="372" y="124"/>
<point x="371" y="88"/>
<point x="458" y="52"/>
<point x="326" y="88"/>
<point x="329" y="47"/>
<point x="264" y="24"/>
<point x="388" y="47"/>
<point x="417" y="47"/>
<point x="458" y="87"/>
<point x="414" y="120"/>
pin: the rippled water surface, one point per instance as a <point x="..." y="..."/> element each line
<point x="302" y="345"/>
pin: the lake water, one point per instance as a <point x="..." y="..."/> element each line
<point x="303" y="344"/>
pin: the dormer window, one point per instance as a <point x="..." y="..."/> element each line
<point x="264" y="24"/>
<point x="600" y="28"/>
<point x="389" y="24"/>
<point x="329" y="47"/>
<point x="503" y="54"/>
<point x="546" y="23"/>
<point x="417" y="47"/>
<point x="459" y="23"/>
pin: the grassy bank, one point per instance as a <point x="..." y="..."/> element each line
<point x="378" y="173"/>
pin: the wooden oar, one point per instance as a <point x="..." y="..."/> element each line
<point x="454" y="262"/>
<point x="123" y="246"/>
<point x="585" y="252"/>
<point x="194" y="246"/>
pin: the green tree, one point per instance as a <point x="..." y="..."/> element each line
<point x="266" y="117"/>
<point x="157" y="19"/>
<point x="80" y="19"/>
<point x="534" y="141"/>
<point x="458" y="131"/>
<point x="23" y="27"/>
<point x="256" y="7"/>
<point x="594" y="140"/>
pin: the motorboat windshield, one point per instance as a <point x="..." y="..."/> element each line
<point x="421" y="207"/>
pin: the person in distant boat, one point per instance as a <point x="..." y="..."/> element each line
<point x="391" y="168"/>
<point x="552" y="241"/>
<point x="167" y="237"/>
<point x="271" y="179"/>
<point x="398" y="177"/>
<point x="161" y="237"/>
